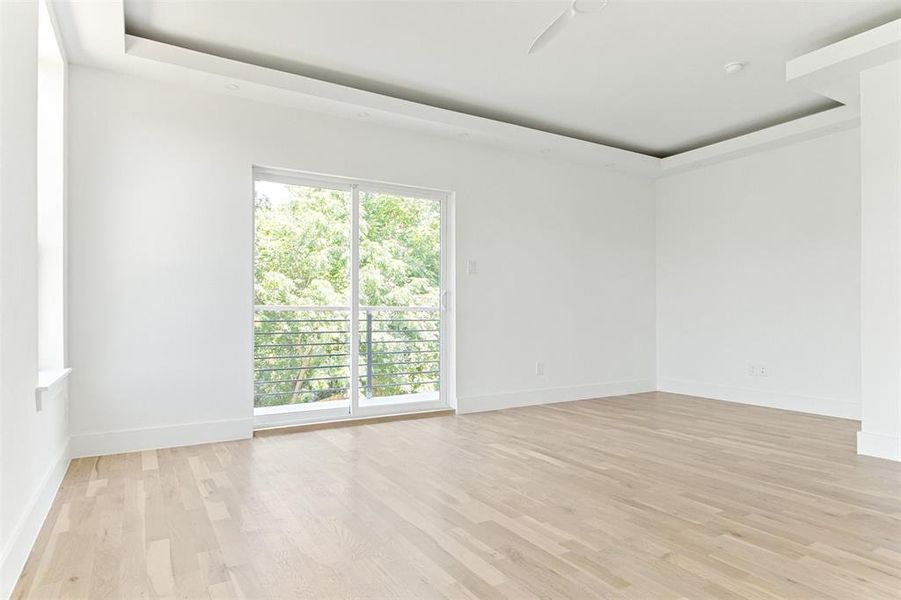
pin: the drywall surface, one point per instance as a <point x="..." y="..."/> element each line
<point x="33" y="454"/>
<point x="161" y="244"/>
<point x="758" y="265"/>
<point x="880" y="105"/>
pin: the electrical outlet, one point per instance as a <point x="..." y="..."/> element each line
<point x="755" y="370"/>
<point x="539" y="368"/>
<point x="471" y="267"/>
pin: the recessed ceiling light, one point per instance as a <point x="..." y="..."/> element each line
<point x="363" y="115"/>
<point x="232" y="86"/>
<point x="735" y="67"/>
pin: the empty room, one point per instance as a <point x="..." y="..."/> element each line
<point x="450" y="299"/>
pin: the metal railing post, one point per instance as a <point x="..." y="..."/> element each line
<point x="368" y="354"/>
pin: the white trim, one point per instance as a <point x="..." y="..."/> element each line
<point x="400" y="408"/>
<point x="354" y="350"/>
<point x="880" y="445"/>
<point x="886" y="36"/>
<point x="303" y="415"/>
<point x="166" y="436"/>
<point x="361" y="419"/>
<point x="443" y="300"/>
<point x="345" y="184"/>
<point x="303" y="179"/>
<point x="54" y="22"/>
<point x="830" y="407"/>
<point x="449" y="315"/>
<point x="770" y="138"/>
<point x="50" y="382"/>
<point x="251" y="290"/>
<point x="293" y="415"/>
<point x="415" y="398"/>
<point x="50" y="379"/>
<point x="834" y="70"/>
<point x="502" y="400"/>
<point x="413" y="192"/>
<point x="25" y="533"/>
<point x="288" y="89"/>
<point x="321" y="405"/>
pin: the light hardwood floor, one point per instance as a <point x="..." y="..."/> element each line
<point x="645" y="496"/>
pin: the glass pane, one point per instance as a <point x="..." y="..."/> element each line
<point x="400" y="258"/>
<point x="301" y="289"/>
<point x="399" y="320"/>
<point x="302" y="357"/>
<point x="302" y="245"/>
<point x="399" y="356"/>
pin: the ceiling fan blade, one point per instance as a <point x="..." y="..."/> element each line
<point x="552" y="30"/>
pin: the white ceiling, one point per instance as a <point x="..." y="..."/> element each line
<point x="641" y="75"/>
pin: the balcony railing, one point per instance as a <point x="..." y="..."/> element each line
<point x="302" y="353"/>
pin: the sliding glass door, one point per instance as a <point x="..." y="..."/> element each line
<point x="302" y="296"/>
<point x="400" y="293"/>
<point x="348" y="295"/>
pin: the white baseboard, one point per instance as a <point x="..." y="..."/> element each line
<point x="153" y="438"/>
<point x="473" y="404"/>
<point x="880" y="445"/>
<point x="25" y="533"/>
<point x="829" y="407"/>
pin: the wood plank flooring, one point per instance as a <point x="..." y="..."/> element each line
<point x="649" y="496"/>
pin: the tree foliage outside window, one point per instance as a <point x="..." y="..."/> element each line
<point x="303" y="259"/>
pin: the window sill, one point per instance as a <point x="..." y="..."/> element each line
<point x="50" y="379"/>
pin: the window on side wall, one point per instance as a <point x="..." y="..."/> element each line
<point x="51" y="88"/>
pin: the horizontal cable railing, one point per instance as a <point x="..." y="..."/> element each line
<point x="293" y="308"/>
<point x="302" y="353"/>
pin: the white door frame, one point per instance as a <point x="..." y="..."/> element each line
<point x="446" y="386"/>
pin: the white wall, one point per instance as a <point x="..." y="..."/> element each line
<point x="161" y="243"/>
<point x="33" y="444"/>
<point x="758" y="261"/>
<point x="880" y="125"/>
